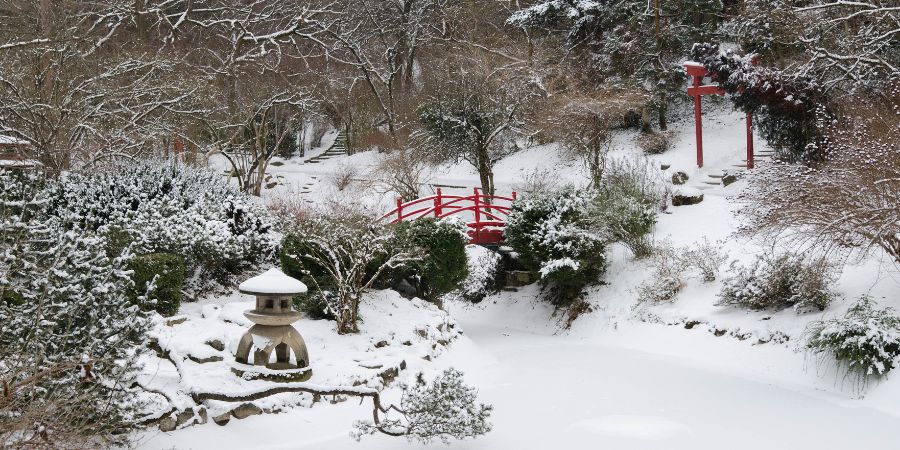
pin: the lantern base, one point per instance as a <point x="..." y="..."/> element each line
<point x="263" y="340"/>
<point x="287" y="375"/>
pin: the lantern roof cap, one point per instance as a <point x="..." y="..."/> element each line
<point x="272" y="282"/>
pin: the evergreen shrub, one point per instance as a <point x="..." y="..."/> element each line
<point x="444" y="267"/>
<point x="553" y="234"/>
<point x="779" y="281"/>
<point x="159" y="276"/>
<point x="866" y="339"/>
<point x="167" y="207"/>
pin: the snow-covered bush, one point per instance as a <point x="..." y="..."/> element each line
<point x="162" y="276"/>
<point x="166" y="207"/>
<point x="444" y="266"/>
<point x="67" y="328"/>
<point x="483" y="266"/>
<point x="667" y="279"/>
<point x="866" y="339"/>
<point x="340" y="255"/>
<point x="444" y="408"/>
<point x="707" y="257"/>
<point x="553" y="234"/>
<point x="654" y="143"/>
<point x="627" y="203"/>
<point x="779" y="281"/>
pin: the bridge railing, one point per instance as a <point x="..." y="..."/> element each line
<point x="489" y="212"/>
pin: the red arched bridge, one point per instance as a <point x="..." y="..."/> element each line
<point x="485" y="215"/>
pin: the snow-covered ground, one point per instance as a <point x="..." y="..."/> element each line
<point x="682" y="375"/>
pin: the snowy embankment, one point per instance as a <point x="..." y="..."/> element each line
<point x="195" y="354"/>
<point x="685" y="374"/>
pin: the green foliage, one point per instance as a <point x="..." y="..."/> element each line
<point x="167" y="207"/>
<point x="159" y="276"/>
<point x="866" y="339"/>
<point x="779" y="281"/>
<point x="340" y="255"/>
<point x="627" y="202"/>
<point x="444" y="267"/>
<point x="441" y="409"/>
<point x="553" y="234"/>
<point x="315" y="305"/>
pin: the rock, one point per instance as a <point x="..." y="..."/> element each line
<point x="189" y="415"/>
<point x="175" y="320"/>
<point x="246" y="410"/>
<point x="380" y="344"/>
<point x="204" y="360"/>
<point x="216" y="344"/>
<point x="520" y="277"/>
<point x="664" y="166"/>
<point x="389" y="375"/>
<point x="679" y="178"/>
<point x="728" y="179"/>
<point x="222" y="419"/>
<point x="168" y="423"/>
<point x="684" y="199"/>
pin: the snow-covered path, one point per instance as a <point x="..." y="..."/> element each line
<point x="554" y="391"/>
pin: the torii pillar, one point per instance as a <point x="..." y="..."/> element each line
<point x="697" y="71"/>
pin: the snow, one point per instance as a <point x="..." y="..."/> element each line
<point x="272" y="281"/>
<point x="685" y="374"/>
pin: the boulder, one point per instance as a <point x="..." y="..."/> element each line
<point x="686" y="198"/>
<point x="222" y="419"/>
<point x="216" y="344"/>
<point x="679" y="178"/>
<point x="728" y="179"/>
<point x="246" y="410"/>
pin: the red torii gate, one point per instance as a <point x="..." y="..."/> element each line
<point x="698" y="71"/>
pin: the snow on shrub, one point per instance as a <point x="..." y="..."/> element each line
<point x="483" y="266"/>
<point x="779" y="281"/>
<point x="341" y="254"/>
<point x="707" y="257"/>
<point x="441" y="409"/>
<point x="444" y="266"/>
<point x="667" y="279"/>
<point x="866" y="339"/>
<point x="627" y="202"/>
<point x="166" y="207"/>
<point x="67" y="327"/>
<point x="553" y="234"/>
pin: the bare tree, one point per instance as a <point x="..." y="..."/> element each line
<point x="80" y="83"/>
<point x="584" y="124"/>
<point x="846" y="204"/>
<point x="351" y="253"/>
<point x="475" y="117"/>
<point x="403" y="172"/>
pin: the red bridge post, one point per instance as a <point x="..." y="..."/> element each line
<point x="399" y="209"/>
<point x="437" y="204"/>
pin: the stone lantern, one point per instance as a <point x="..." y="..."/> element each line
<point x="272" y="329"/>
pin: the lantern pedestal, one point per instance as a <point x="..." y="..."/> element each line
<point x="272" y="334"/>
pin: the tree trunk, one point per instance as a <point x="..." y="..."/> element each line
<point x="485" y="173"/>
<point x="663" y="108"/>
<point x="346" y="320"/>
<point x="645" y="120"/>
